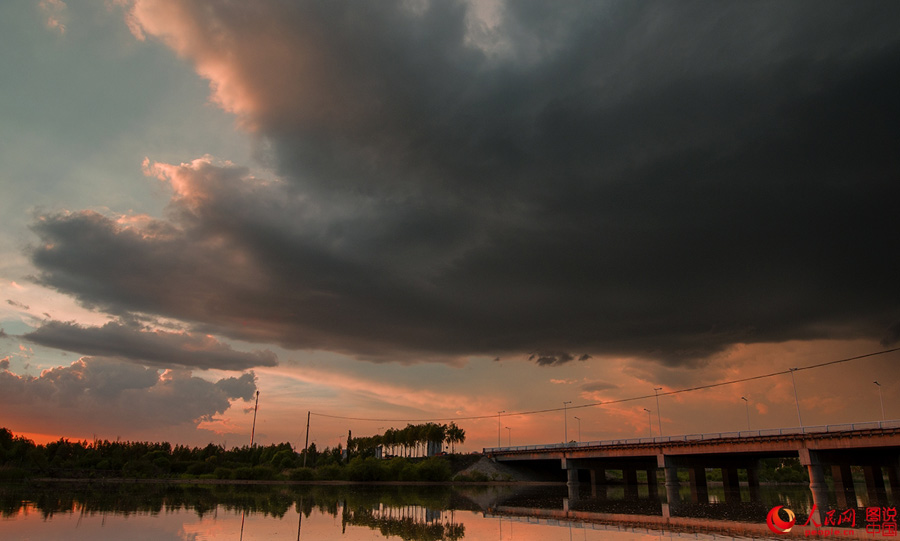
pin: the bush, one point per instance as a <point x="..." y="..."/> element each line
<point x="433" y="469"/>
<point x="366" y="469"/>
<point x="199" y="468"/>
<point x="394" y="467"/>
<point x="222" y="473"/>
<point x="12" y="474"/>
<point x="255" y="473"/>
<point x="330" y="472"/>
<point x="301" y="474"/>
<point x="472" y="477"/>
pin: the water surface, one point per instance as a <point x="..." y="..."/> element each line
<point x="71" y="511"/>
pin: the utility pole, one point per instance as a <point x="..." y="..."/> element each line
<point x="306" y="445"/>
<point x="881" y="396"/>
<point x="566" y="421"/>
<point x="253" y="430"/>
<point x="498" y="428"/>
<point x="658" y="418"/>
<point x="796" y="400"/>
<point x="747" y="403"/>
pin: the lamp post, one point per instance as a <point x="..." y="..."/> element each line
<point x="649" y="422"/>
<point x="881" y="396"/>
<point x="566" y="421"/>
<point x="498" y="427"/>
<point x="747" y="403"/>
<point x="509" y="436"/>
<point x="579" y="427"/>
<point x="796" y="400"/>
<point x="658" y="418"/>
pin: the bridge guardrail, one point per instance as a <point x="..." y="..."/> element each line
<point x="817" y="429"/>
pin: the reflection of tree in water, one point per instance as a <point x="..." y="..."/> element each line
<point x="130" y="498"/>
<point x="270" y="500"/>
<point x="409" y="522"/>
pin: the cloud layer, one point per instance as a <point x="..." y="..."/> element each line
<point x="154" y="348"/>
<point x="612" y="178"/>
<point x="98" y="393"/>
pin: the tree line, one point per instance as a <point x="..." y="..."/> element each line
<point x="21" y="458"/>
<point x="410" y="441"/>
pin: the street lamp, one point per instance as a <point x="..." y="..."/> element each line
<point x="579" y="427"/>
<point x="498" y="427"/>
<point x="881" y="396"/>
<point x="566" y="420"/>
<point x="747" y="403"/>
<point x="509" y="436"/>
<point x="796" y="400"/>
<point x="649" y="422"/>
<point x="658" y="418"/>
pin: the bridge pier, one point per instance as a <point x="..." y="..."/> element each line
<point x="844" y="492"/>
<point x="699" y="488"/>
<point x="893" y="471"/>
<point x="753" y="481"/>
<point x="667" y="463"/>
<point x="731" y="484"/>
<point x="817" y="486"/>
<point x="652" y="484"/>
<point x="629" y="475"/>
<point x="598" y="476"/>
<point x="875" y="484"/>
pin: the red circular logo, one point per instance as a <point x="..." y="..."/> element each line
<point x="776" y="524"/>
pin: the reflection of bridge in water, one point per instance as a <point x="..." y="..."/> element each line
<point x="873" y="446"/>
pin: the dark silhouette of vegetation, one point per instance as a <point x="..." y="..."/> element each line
<point x="411" y="441"/>
<point x="21" y="458"/>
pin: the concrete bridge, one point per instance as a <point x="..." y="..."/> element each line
<point x="874" y="446"/>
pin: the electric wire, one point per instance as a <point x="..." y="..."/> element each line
<point x="617" y="401"/>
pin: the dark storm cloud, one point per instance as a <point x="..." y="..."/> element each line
<point x="150" y="347"/>
<point x="16" y="304"/>
<point x="598" y="386"/>
<point x="97" y="393"/>
<point x="638" y="178"/>
<point x="551" y="358"/>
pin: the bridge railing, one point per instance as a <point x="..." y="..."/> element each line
<point x="845" y="427"/>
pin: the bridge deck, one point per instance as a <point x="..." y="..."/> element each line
<point x="825" y="436"/>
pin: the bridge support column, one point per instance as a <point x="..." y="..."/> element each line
<point x="629" y="475"/>
<point x="598" y="476"/>
<point x="875" y="485"/>
<point x="844" y="491"/>
<point x="571" y="480"/>
<point x="817" y="486"/>
<point x="699" y="488"/>
<point x="598" y="483"/>
<point x="671" y="472"/>
<point x="732" y="484"/>
<point x="652" y="484"/>
<point x="572" y="476"/>
<point x="893" y="471"/>
<point x="753" y="481"/>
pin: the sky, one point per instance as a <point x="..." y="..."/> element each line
<point x="393" y="212"/>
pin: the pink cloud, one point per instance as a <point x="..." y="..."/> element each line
<point x="55" y="12"/>
<point x="103" y="396"/>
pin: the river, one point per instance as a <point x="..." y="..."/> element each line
<point x="520" y="512"/>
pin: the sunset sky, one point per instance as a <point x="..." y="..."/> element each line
<point x="423" y="210"/>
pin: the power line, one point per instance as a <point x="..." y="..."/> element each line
<point x="618" y="401"/>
